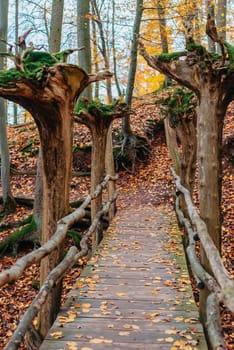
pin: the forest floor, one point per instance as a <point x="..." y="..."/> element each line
<point x="151" y="178"/>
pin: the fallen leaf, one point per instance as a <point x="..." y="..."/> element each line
<point x="171" y="331"/>
<point x="124" y="333"/>
<point x="169" y="339"/>
<point x="57" y="335"/>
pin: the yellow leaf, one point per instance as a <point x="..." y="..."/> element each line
<point x="169" y="340"/>
<point x="171" y="331"/>
<point x="135" y="327"/>
<point x="121" y="294"/>
<point x="127" y="326"/>
<point x="124" y="333"/>
<point x="100" y="341"/>
<point x="96" y="341"/>
<point x="71" y="345"/>
<point x="57" y="335"/>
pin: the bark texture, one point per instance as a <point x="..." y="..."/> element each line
<point x="50" y="94"/>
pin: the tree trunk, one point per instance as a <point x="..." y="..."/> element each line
<point x="110" y="170"/>
<point x="103" y="49"/>
<point x="99" y="129"/>
<point x="126" y="127"/>
<point x="83" y="40"/>
<point x="56" y="25"/>
<point x="114" y="50"/>
<point x="15" y="108"/>
<point x="38" y="195"/>
<point x="221" y="15"/>
<point x="51" y="105"/>
<point x="211" y="10"/>
<point x="8" y="201"/>
<point x="172" y="146"/>
<point x="210" y="126"/>
<point x="56" y="152"/>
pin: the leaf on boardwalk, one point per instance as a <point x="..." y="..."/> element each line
<point x="100" y="341"/>
<point x="124" y="334"/>
<point x="121" y="294"/>
<point x="68" y="319"/>
<point x="57" y="335"/>
<point x="171" y="331"/>
<point x="71" y="345"/>
<point x="85" y="307"/>
<point x="169" y="339"/>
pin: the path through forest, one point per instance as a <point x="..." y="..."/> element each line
<point x="135" y="292"/>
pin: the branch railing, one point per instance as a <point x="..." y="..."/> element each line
<point x="220" y="284"/>
<point x="12" y="274"/>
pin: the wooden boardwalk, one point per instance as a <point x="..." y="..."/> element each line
<point x="134" y="293"/>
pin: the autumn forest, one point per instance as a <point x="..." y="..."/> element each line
<point x="116" y="192"/>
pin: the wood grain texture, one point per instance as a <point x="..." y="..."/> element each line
<point x="135" y="292"/>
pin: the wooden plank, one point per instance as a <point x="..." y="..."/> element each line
<point x="133" y="294"/>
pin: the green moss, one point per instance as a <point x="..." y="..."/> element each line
<point x="168" y="57"/>
<point x="75" y="235"/>
<point x="94" y="106"/>
<point x="33" y="63"/>
<point x="23" y="234"/>
<point x="11" y="75"/>
<point x="192" y="46"/>
<point x="215" y="56"/>
<point x="178" y="104"/>
<point x="230" y="50"/>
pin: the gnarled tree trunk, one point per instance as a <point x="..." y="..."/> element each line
<point x="213" y="84"/>
<point x="51" y="101"/>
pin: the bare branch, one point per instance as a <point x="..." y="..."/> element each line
<point x="99" y="76"/>
<point x="21" y="39"/>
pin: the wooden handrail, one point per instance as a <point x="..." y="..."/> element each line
<point x="57" y="273"/>
<point x="225" y="283"/>
<point x="13" y="273"/>
<point x="218" y="292"/>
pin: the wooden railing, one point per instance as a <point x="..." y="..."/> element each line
<point x="219" y="284"/>
<point x="12" y="274"/>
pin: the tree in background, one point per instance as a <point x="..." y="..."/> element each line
<point x="56" y="25"/>
<point x="126" y="128"/>
<point x="83" y="40"/>
<point x="8" y="200"/>
<point x="221" y="19"/>
<point x="103" y="45"/>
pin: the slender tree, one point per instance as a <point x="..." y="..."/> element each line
<point x="126" y="127"/>
<point x="8" y="201"/>
<point x="56" y="26"/>
<point x="221" y="15"/>
<point x="103" y="47"/>
<point x="211" y="11"/>
<point x="16" y="38"/>
<point x="83" y="40"/>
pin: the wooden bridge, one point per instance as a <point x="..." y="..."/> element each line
<point x="135" y="292"/>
